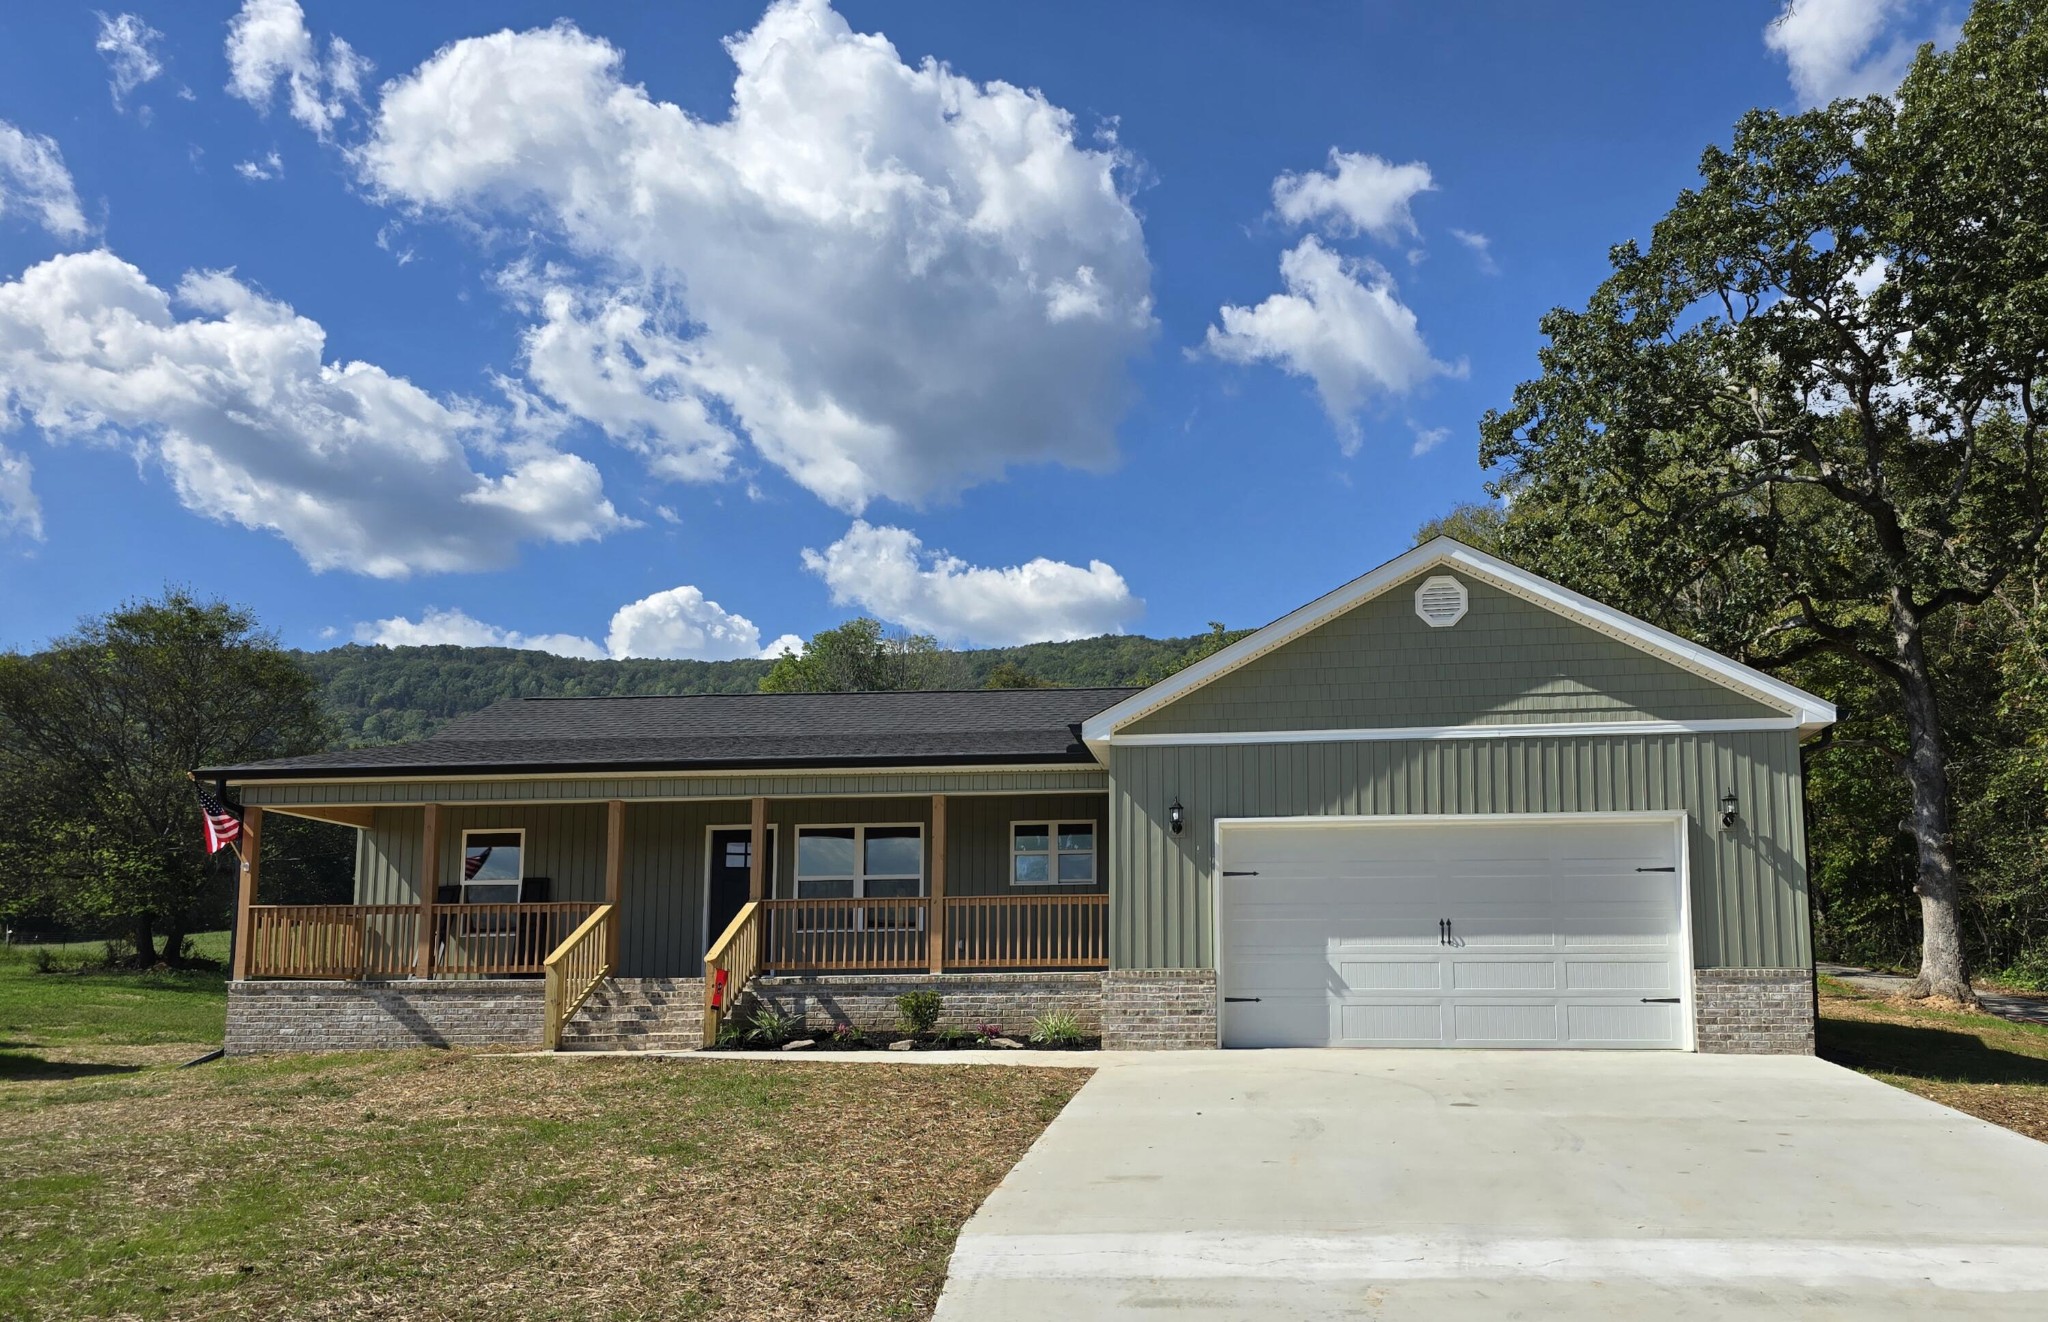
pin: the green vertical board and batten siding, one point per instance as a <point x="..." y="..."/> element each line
<point x="1508" y="661"/>
<point x="663" y="867"/>
<point x="1749" y="905"/>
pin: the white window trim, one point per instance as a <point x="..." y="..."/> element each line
<point x="860" y="855"/>
<point x="1052" y="850"/>
<point x="462" y="857"/>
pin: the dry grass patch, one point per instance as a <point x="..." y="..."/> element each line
<point x="445" y="1186"/>
<point x="1989" y="1067"/>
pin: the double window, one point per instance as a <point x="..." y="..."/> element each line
<point x="493" y="863"/>
<point x="859" y="862"/>
<point x="1052" y="853"/>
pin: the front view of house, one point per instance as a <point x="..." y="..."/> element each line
<point x="1449" y="804"/>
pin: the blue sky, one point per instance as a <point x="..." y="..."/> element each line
<point x="674" y="330"/>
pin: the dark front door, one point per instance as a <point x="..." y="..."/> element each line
<point x="732" y="856"/>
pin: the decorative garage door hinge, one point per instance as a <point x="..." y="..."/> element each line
<point x="1232" y="1000"/>
<point x="1665" y="869"/>
<point x="1240" y="874"/>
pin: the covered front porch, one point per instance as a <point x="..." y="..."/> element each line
<point x="981" y="880"/>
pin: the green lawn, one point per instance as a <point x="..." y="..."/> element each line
<point x="431" y="1185"/>
<point x="70" y="1022"/>
<point x="1987" y="1066"/>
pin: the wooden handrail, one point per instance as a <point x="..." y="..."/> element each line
<point x="728" y="966"/>
<point x="573" y="970"/>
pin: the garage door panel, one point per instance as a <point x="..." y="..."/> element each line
<point x="1617" y="975"/>
<point x="1392" y="1023"/>
<point x="1622" y="1025"/>
<point x="1559" y="931"/>
<point x="1503" y="975"/>
<point x="1517" y="1024"/>
<point x="1393" y="975"/>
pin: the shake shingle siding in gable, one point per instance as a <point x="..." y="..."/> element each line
<point x="1507" y="662"/>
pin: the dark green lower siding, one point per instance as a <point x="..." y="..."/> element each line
<point x="1748" y="885"/>
<point x="664" y="868"/>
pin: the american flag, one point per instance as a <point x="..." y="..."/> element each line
<point x="473" y="862"/>
<point x="223" y="828"/>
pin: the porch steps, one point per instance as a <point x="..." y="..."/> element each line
<point x="639" y="1014"/>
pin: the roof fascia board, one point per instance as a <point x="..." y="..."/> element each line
<point x="728" y="773"/>
<point x="1813" y="713"/>
<point x="1427" y="733"/>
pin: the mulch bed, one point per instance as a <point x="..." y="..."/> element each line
<point x="829" y="1040"/>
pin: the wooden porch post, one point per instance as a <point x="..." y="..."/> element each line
<point x="758" y="880"/>
<point x="245" y="886"/>
<point x="614" y="869"/>
<point x="430" y="886"/>
<point x="935" y="921"/>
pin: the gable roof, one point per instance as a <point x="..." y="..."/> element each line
<point x="1811" y="713"/>
<point x="979" y="727"/>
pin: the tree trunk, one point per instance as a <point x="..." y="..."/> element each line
<point x="1944" y="968"/>
<point x="145" y="940"/>
<point x="174" y="943"/>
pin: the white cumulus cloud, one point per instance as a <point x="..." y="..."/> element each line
<point x="20" y="511"/>
<point x="679" y="623"/>
<point x="438" y="627"/>
<point x="129" y="47"/>
<point x="33" y="179"/>
<point x="268" y="43"/>
<point x="1360" y="193"/>
<point x="1342" y="325"/>
<point x="888" y="573"/>
<point x="270" y="167"/>
<point x="357" y="469"/>
<point x="890" y="279"/>
<point x="1837" y="48"/>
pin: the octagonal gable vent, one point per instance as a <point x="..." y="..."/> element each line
<point x="1441" y="601"/>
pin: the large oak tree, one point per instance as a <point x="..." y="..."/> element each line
<point x="1804" y="421"/>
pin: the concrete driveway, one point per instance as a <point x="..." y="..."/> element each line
<point x="1469" y="1184"/>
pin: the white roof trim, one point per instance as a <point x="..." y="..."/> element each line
<point x="1430" y="733"/>
<point x="1812" y="713"/>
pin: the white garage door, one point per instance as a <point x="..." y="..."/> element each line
<point x="1440" y="933"/>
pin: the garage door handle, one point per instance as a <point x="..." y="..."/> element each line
<point x="1240" y="874"/>
<point x="1660" y="1000"/>
<point x="1670" y="869"/>
<point x="1234" y="1000"/>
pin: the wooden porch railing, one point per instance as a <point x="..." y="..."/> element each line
<point x="728" y="966"/>
<point x="1027" y="932"/>
<point x="352" y="941"/>
<point x="826" y="935"/>
<point x="382" y="940"/>
<point x="573" y="971"/>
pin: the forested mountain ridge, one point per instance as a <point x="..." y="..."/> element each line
<point x="377" y="695"/>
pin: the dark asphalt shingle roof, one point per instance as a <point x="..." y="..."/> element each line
<point x="738" y="731"/>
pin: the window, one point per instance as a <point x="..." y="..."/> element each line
<point x="492" y="866"/>
<point x="1052" y="853"/>
<point x="846" y="862"/>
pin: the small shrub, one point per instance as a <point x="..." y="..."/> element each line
<point x="770" y="1027"/>
<point x="917" y="1012"/>
<point x="732" y="1033"/>
<point x="848" y="1035"/>
<point x="989" y="1030"/>
<point x="42" y="961"/>
<point x="1057" y="1028"/>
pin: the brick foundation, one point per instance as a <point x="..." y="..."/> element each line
<point x="967" y="1000"/>
<point x="1754" y="1011"/>
<point x="380" y="1016"/>
<point x="1159" y="1009"/>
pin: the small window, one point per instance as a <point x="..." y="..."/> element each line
<point x="874" y="862"/>
<point x="493" y="863"/>
<point x="1052" y="854"/>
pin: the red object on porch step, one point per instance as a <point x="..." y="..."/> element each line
<point x="718" y="989"/>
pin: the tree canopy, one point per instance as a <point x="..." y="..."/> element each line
<point x="1803" y="423"/>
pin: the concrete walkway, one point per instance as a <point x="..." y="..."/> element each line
<point x="1467" y="1184"/>
<point x="2019" y="1009"/>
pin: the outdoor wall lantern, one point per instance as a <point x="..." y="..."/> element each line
<point x="1728" y="811"/>
<point x="1176" y="815"/>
